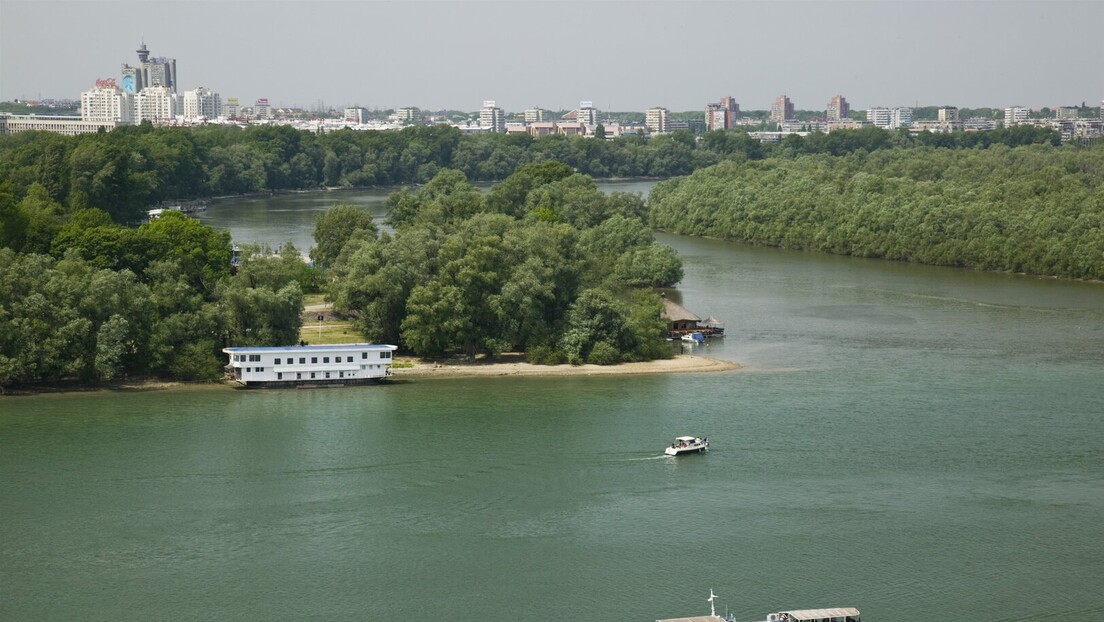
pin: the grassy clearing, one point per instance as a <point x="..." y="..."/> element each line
<point x="313" y="299"/>
<point x="332" y="332"/>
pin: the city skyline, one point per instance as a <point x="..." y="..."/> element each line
<point x="621" y="55"/>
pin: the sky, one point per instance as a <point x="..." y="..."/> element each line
<point x="621" y="54"/>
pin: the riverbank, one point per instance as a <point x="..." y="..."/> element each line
<point x="412" y="368"/>
<point x="515" y="365"/>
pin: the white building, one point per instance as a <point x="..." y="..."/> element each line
<point x="1015" y="115"/>
<point x="261" y="109"/>
<point x="901" y="117"/>
<point x="406" y="115"/>
<point x="491" y="117"/>
<point x="889" y="118"/>
<point x="64" y="125"/>
<point x="156" y="104"/>
<point x="535" y="115"/>
<point x="338" y="364"/>
<point x="202" y="103"/>
<point x="356" y="114"/>
<point x="657" y="120"/>
<point x="107" y="102"/>
<point x="586" y="113"/>
<point x="879" y="117"/>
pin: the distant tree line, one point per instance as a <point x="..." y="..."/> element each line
<point x="125" y="171"/>
<point x="1032" y="209"/>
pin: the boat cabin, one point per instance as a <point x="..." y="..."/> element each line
<point x="322" y="365"/>
<point x="836" y="614"/>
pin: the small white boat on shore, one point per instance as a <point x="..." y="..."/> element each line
<point x="687" y="445"/>
<point x="694" y="338"/>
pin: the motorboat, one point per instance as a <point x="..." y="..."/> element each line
<point x="694" y="337"/>
<point x="687" y="445"/>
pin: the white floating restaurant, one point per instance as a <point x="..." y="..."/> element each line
<point x="321" y="365"/>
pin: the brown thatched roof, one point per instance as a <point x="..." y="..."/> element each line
<point x="675" y="312"/>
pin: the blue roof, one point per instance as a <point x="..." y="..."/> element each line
<point x="332" y="346"/>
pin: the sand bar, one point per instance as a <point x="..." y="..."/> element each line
<point x="509" y="365"/>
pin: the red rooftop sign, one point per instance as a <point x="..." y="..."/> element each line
<point x="106" y="83"/>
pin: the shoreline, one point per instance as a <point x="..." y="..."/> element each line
<point x="683" y="363"/>
<point x="509" y="365"/>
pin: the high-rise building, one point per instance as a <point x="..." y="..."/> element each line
<point x="1015" y="115"/>
<point x="356" y="114"/>
<point x="586" y="113"/>
<point x="107" y="102"/>
<point x="536" y="115"/>
<point x="889" y="118"/>
<point x="1066" y="112"/>
<point x="202" y="103"/>
<point x="879" y="117"/>
<point x="233" y="108"/>
<point x="492" y="117"/>
<point x="132" y="79"/>
<point x="156" y="104"/>
<point x="900" y="117"/>
<point x="838" y="109"/>
<point x="407" y="115"/>
<point x="781" y="110"/>
<point x="722" y="116"/>
<point x="151" y="71"/>
<point x="261" y="109"/>
<point x="948" y="114"/>
<point x="657" y="120"/>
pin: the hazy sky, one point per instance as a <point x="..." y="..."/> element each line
<point x="622" y="55"/>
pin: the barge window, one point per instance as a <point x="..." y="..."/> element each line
<point x="314" y="359"/>
<point x="279" y="375"/>
<point x="385" y="355"/>
<point x="349" y="360"/>
<point x="277" y="362"/>
<point x="312" y="375"/>
<point x="302" y="360"/>
<point x="325" y="359"/>
<point x="327" y="374"/>
<point x="363" y="355"/>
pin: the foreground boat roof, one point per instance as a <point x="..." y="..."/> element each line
<point x="819" y="614"/>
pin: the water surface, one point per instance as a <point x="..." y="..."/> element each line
<point x="920" y="443"/>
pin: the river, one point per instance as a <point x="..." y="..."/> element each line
<point x="921" y="443"/>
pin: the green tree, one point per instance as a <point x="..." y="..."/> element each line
<point x="335" y="227"/>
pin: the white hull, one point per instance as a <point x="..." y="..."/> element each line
<point x="696" y="446"/>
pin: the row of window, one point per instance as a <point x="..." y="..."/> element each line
<point x="256" y="358"/>
<point x="314" y="375"/>
<point x="299" y="375"/>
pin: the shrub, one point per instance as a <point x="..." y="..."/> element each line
<point x="604" y="354"/>
<point x="545" y="355"/>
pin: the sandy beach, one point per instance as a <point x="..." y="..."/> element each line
<point x="515" y="365"/>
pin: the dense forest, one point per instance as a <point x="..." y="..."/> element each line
<point x="99" y="302"/>
<point x="125" y="171"/>
<point x="544" y="263"/>
<point x="1036" y="209"/>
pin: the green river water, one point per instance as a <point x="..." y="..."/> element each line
<point x="919" y="443"/>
